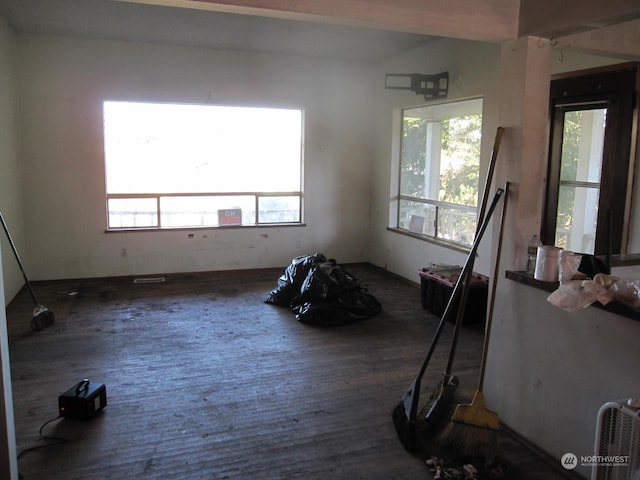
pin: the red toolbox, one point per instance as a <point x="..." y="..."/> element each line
<point x="436" y="286"/>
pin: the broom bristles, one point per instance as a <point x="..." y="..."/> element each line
<point x="473" y="430"/>
<point x="404" y="417"/>
<point x="42" y="318"/>
<point x="470" y="440"/>
<point x="405" y="428"/>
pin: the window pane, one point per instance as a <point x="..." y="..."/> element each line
<point x="279" y="209"/>
<point x="460" y="160"/>
<point x="582" y="153"/>
<point x="418" y="217"/>
<point x="200" y="211"/>
<point x="440" y="153"/>
<point x="577" y="218"/>
<point x="440" y="161"/>
<point x="227" y="156"/>
<point x="456" y="225"/>
<point x="132" y="212"/>
<point x="582" y="145"/>
<point x="413" y="175"/>
<point x="172" y="148"/>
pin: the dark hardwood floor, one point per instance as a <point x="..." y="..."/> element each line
<point x="206" y="381"/>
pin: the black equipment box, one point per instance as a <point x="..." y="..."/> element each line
<point x="83" y="400"/>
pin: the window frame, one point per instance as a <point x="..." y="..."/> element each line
<point x="616" y="88"/>
<point x="399" y="197"/>
<point x="258" y="196"/>
<point x="159" y="212"/>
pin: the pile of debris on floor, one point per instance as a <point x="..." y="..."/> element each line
<point x="322" y="292"/>
<point x="459" y="470"/>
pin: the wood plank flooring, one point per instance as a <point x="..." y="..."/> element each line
<point x="206" y="381"/>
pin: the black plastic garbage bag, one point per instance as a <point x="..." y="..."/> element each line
<point x="351" y="306"/>
<point x="324" y="281"/>
<point x="327" y="295"/>
<point x="291" y="280"/>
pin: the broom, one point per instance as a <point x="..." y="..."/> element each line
<point x="443" y="393"/>
<point x="42" y="316"/>
<point x="474" y="430"/>
<point x="405" y="414"/>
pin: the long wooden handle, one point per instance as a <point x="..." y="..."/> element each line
<point x="15" y="252"/>
<point x="468" y="273"/>
<point x="490" y="169"/>
<point x="459" y="283"/>
<point x="492" y="297"/>
<point x="466" y="279"/>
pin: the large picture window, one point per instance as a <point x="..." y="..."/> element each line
<point x="175" y="165"/>
<point x="439" y="166"/>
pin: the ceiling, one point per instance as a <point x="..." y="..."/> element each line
<point x="115" y="20"/>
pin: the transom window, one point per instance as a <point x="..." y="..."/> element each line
<point x="439" y="166"/>
<point x="176" y="165"/>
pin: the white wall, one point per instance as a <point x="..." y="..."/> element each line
<point x="10" y="179"/>
<point x="65" y="80"/>
<point x="473" y="68"/>
<point x="550" y="371"/>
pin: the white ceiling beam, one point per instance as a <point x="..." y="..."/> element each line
<point x="488" y="20"/>
<point x="620" y="41"/>
<point x="558" y="18"/>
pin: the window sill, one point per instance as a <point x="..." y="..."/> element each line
<point x="426" y="238"/>
<point x="228" y="227"/>
<point x="625" y="260"/>
<point x="613" y="307"/>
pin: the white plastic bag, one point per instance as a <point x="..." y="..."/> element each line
<point x="579" y="294"/>
<point x="573" y="296"/>
<point x="627" y="293"/>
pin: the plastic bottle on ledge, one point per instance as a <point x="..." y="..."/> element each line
<point x="532" y="253"/>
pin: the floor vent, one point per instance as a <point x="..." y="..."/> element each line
<point x="149" y="280"/>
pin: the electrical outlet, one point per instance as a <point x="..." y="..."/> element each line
<point x="123" y="252"/>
